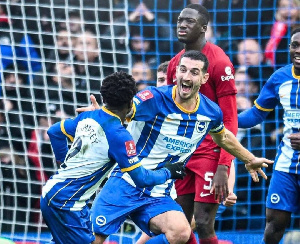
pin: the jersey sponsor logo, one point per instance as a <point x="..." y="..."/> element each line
<point x="201" y="126"/>
<point x="178" y="145"/>
<point x="202" y="194"/>
<point x="130" y="148"/>
<point x="145" y="95"/>
<point x="293" y="117"/>
<point x="100" y="220"/>
<point x="275" y="198"/>
<point x="133" y="160"/>
<point x="229" y="75"/>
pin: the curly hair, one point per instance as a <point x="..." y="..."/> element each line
<point x="118" y="89"/>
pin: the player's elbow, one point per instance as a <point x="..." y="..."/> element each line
<point x="52" y="131"/>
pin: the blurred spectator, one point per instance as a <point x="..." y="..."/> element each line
<point x="292" y="237"/>
<point x="142" y="74"/>
<point x="245" y="85"/>
<point x="161" y="75"/>
<point x="249" y="53"/>
<point x="88" y="69"/>
<point x="231" y="17"/>
<point x="145" y="27"/>
<point x="57" y="93"/>
<point x="210" y="34"/>
<point x="19" y="190"/>
<point x="63" y="47"/>
<point x="19" y="107"/>
<point x="287" y="18"/>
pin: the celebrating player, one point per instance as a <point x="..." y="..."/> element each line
<point x="100" y="141"/>
<point x="209" y="165"/>
<point x="283" y="195"/>
<point x="168" y="124"/>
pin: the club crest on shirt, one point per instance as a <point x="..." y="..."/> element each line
<point x="201" y="126"/>
<point x="130" y="148"/>
<point x="145" y="95"/>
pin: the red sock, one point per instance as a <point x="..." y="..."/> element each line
<point x="192" y="239"/>
<point x="212" y="240"/>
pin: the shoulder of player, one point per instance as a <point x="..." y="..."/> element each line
<point x="152" y="93"/>
<point x="282" y="74"/>
<point x="215" y="54"/>
<point x="206" y="102"/>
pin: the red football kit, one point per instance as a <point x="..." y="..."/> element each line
<point x="220" y="88"/>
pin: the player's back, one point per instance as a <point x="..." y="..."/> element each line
<point x="87" y="162"/>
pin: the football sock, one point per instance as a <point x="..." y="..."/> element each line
<point x="160" y="239"/>
<point x="212" y="240"/>
<point x="192" y="239"/>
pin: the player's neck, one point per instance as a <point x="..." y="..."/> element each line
<point x="198" y="45"/>
<point x="120" y="113"/>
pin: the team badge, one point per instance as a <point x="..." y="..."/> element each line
<point x="101" y="220"/>
<point x="201" y="126"/>
<point x="130" y="148"/>
<point x="145" y="95"/>
<point x="275" y="198"/>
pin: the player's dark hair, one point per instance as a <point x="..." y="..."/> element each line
<point x="163" y="67"/>
<point x="196" y="55"/>
<point x="295" y="31"/>
<point x="201" y="10"/>
<point x="118" y="89"/>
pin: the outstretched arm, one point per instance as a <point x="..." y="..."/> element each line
<point x="254" y="165"/>
<point x="251" y="117"/>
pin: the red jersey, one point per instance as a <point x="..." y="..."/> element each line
<point x="220" y="88"/>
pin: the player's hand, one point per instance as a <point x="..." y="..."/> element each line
<point x="230" y="200"/>
<point x="254" y="167"/>
<point x="295" y="141"/>
<point x="176" y="170"/>
<point x="94" y="106"/>
<point x="220" y="183"/>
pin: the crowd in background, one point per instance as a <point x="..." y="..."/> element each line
<point x="52" y="60"/>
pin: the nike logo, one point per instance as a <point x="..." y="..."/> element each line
<point x="202" y="194"/>
<point x="178" y="172"/>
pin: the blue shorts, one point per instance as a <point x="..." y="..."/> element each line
<point x="118" y="199"/>
<point x="68" y="227"/>
<point x="284" y="192"/>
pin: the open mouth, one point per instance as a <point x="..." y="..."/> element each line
<point x="297" y="59"/>
<point x="186" y="88"/>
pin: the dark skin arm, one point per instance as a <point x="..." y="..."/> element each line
<point x="295" y="140"/>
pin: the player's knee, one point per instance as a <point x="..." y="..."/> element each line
<point x="180" y="234"/>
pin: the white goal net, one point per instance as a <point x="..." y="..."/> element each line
<point x="53" y="55"/>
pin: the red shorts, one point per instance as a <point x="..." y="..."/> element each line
<point x="198" y="181"/>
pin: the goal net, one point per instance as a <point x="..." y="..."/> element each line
<point x="54" y="54"/>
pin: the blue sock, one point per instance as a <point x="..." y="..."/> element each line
<point x="160" y="239"/>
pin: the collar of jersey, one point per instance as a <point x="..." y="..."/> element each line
<point x="293" y="73"/>
<point x="109" y="112"/>
<point x="182" y="108"/>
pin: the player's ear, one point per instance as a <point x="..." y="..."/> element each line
<point x="204" y="28"/>
<point x="205" y="78"/>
